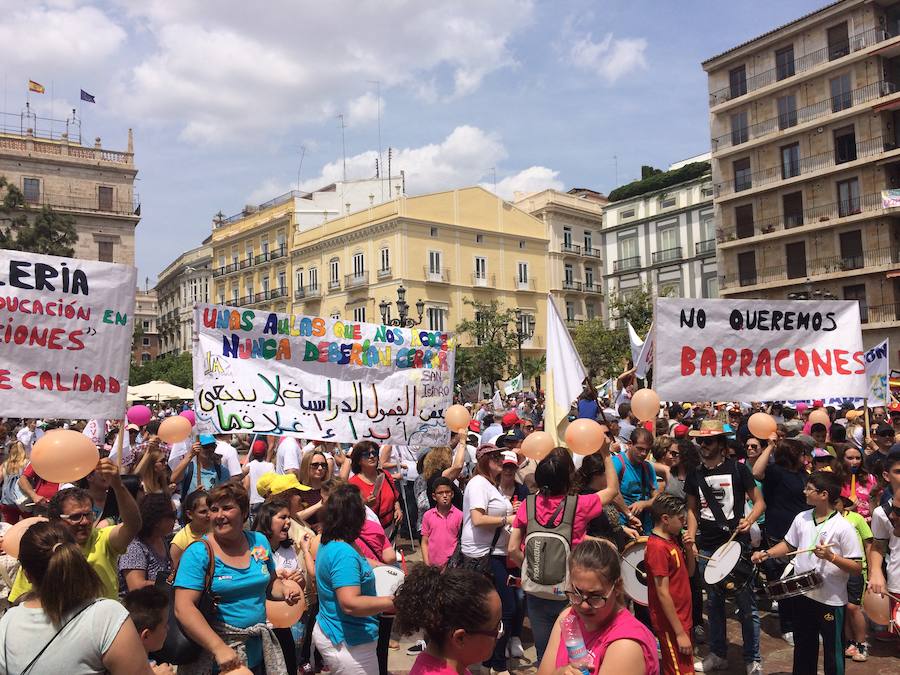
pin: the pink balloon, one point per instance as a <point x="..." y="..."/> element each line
<point x="189" y="416"/>
<point x="64" y="456"/>
<point x="585" y="437"/>
<point x="457" y="417"/>
<point x="282" y="615"/>
<point x="762" y="425"/>
<point x="821" y="416"/>
<point x="537" y="445"/>
<point x="13" y="536"/>
<point x="645" y="404"/>
<point x="139" y="414"/>
<point x="174" y="429"/>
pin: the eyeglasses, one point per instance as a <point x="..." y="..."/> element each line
<point x="318" y="465"/>
<point x="495" y="634"/>
<point x="368" y="453"/>
<point x="594" y="601"/>
<point x="706" y="441"/>
<point x="75" y="518"/>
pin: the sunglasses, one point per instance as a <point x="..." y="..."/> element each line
<point x="368" y="453"/>
<point x="594" y="600"/>
<point x="495" y="634"/>
<point x="318" y="465"/>
<point x="75" y="518"/>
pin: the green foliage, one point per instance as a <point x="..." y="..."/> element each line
<point x="487" y="353"/>
<point x="43" y="230"/>
<point x="174" y="370"/>
<point x="653" y="179"/>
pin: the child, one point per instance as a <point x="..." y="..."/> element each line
<point x="197" y="523"/>
<point x="148" y="608"/>
<point x="670" y="566"/>
<point x="9" y="567"/>
<point x="858" y="483"/>
<point x="836" y="554"/>
<point x="857" y="647"/>
<point x="886" y="530"/>
<point x="440" y="525"/>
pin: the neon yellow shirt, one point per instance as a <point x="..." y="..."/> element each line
<point x="185" y="537"/>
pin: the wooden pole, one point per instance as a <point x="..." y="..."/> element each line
<point x="868" y="424"/>
<point x="119" y="440"/>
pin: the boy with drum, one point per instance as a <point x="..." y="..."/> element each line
<point x="824" y="544"/>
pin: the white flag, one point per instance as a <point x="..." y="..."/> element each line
<point x="95" y="429"/>
<point x="565" y="373"/>
<point x="641" y="351"/>
<point x="497" y="401"/>
<point x="878" y="373"/>
<point x="636" y="343"/>
<point x="514" y="385"/>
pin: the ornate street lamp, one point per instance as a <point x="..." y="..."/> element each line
<point x="523" y="333"/>
<point x="403" y="320"/>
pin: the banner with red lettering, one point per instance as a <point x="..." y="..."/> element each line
<point x="758" y="350"/>
<point x="65" y="336"/>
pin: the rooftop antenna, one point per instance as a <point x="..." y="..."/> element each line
<point x="377" y="84"/>
<point x="494" y="178"/>
<point x="302" y="155"/>
<point x="616" y="163"/>
<point x="389" y="169"/>
<point x="343" y="144"/>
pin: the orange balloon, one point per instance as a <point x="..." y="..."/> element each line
<point x="64" y="456"/>
<point x="537" y="445"/>
<point x="457" y="417"/>
<point x="13" y="536"/>
<point x="282" y="615"/>
<point x="877" y="608"/>
<point x="585" y="437"/>
<point x="762" y="425"/>
<point x="645" y="404"/>
<point x="174" y="429"/>
<point x="819" y="415"/>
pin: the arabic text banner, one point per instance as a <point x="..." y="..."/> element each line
<point x="758" y="350"/>
<point x="320" y="378"/>
<point x="65" y="337"/>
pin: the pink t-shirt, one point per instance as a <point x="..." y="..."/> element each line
<point x="863" y="492"/>
<point x="589" y="507"/>
<point x="371" y="541"/>
<point x="426" y="664"/>
<point x="622" y="627"/>
<point x="442" y="533"/>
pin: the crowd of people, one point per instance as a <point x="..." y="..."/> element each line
<point x="173" y="556"/>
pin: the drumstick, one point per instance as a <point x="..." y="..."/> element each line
<point x="704" y="557"/>
<point x="805" y="550"/>
<point x="634" y="567"/>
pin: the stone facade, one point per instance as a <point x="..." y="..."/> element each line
<point x="186" y="281"/>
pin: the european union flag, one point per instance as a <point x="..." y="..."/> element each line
<point x="87" y="97"/>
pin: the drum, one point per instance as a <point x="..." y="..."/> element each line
<point x="796" y="584"/>
<point x="387" y="579"/>
<point x="729" y="570"/>
<point x="634" y="575"/>
<point x="877" y="608"/>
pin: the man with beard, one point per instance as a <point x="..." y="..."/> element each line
<point x="102" y="547"/>
<point x="716" y="493"/>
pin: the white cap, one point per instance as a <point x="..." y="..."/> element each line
<point x="508" y="456"/>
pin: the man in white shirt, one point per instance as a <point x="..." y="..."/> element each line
<point x="26" y="436"/>
<point x="886" y="533"/>
<point x="228" y="454"/>
<point x="287" y="455"/>
<point x="493" y="430"/>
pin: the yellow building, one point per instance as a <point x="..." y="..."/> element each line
<point x="442" y="248"/>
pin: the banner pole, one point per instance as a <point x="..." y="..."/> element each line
<point x="119" y="440"/>
<point x="868" y="425"/>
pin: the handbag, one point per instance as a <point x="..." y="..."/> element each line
<point x="179" y="649"/>
<point x="12" y="494"/>
<point x="481" y="564"/>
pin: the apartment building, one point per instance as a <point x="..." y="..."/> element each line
<point x="806" y="162"/>
<point x="185" y="282"/>
<point x="440" y="248"/>
<point x="662" y="238"/>
<point x="145" y="346"/>
<point x="46" y="160"/>
<point x="573" y="221"/>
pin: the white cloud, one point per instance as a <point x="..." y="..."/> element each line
<point x="364" y="109"/>
<point x="610" y="58"/>
<point x="532" y="179"/>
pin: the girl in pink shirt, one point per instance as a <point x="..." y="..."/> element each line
<point x="857" y="483"/>
<point x="459" y="612"/>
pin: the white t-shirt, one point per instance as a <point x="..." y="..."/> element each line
<point x="255" y="469"/>
<point x="285" y="558"/>
<point x="882" y="529"/>
<point x="405" y="455"/>
<point x="837" y="531"/>
<point x="287" y="456"/>
<point x="229" y="457"/>
<point x="78" y="650"/>
<point x="476" y="541"/>
<point x="26" y="437"/>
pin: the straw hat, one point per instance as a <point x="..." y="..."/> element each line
<point x="708" y="428"/>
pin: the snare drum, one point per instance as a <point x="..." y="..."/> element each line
<point x="729" y="569"/>
<point x="634" y="575"/>
<point x="794" y="585"/>
<point x="387" y="579"/>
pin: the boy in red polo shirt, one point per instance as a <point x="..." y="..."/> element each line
<point x="669" y="587"/>
<point x="440" y="525"/>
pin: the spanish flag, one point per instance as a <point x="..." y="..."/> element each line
<point x="35" y="87"/>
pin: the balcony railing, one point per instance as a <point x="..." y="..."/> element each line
<point x="889" y="313"/>
<point x="314" y="291"/>
<point x="528" y="284"/>
<point x="704" y="247"/>
<point x="801" y="64"/>
<point x="299" y="293"/>
<point x="261" y="258"/>
<point x="573" y="323"/>
<point x="441" y="275"/>
<point x="830" y="105"/>
<point x="624" y="264"/>
<point x="592" y="252"/>
<point x="571" y="285"/>
<point x="818" y="214"/>
<point x="277" y="253"/>
<point x="667" y="255"/>
<point x="356" y="280"/>
<point x="592" y="287"/>
<point x="485" y="281"/>
<point x="334" y="285"/>
<point x="385" y="273"/>
<point x="805" y="165"/>
<point x="82" y="203"/>
<point x="571" y="248"/>
<point x="811" y="268"/>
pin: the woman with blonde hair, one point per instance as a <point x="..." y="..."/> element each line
<point x="313" y="472"/>
<point x="9" y="477"/>
<point x="153" y="470"/>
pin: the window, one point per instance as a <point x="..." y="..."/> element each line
<point x="711" y="287"/>
<point x="628" y="250"/>
<point x="105" y="251"/>
<point x="299" y="274"/>
<point x="568" y="274"/>
<point x="628" y="214"/>
<point x="248" y="286"/>
<point x="743" y="221"/>
<point x="434" y="263"/>
<point x="265" y="286"/>
<point x="567" y="237"/>
<point x="848" y="197"/>
<point x="742" y="177"/>
<point x="790" y="160"/>
<point x="707" y="228"/>
<point x="740" y="132"/>
<point x="589" y="277"/>
<point x="145" y="324"/>
<point x="737" y="81"/>
<point x="359" y="314"/>
<point x="221" y="298"/>
<point x="667" y="202"/>
<point x="385" y="258"/>
<point x="32" y="189"/>
<point x="787" y="111"/>
<point x="335" y="268"/>
<point x="588" y="241"/>
<point x="841" y="96"/>
<point x="521" y="244"/>
<point x="249" y="251"/>
<point x="264" y="245"/>
<point x="105" y="198"/>
<point x="570" y="310"/>
<point x="668" y="242"/>
<point x="222" y="260"/>
<point x="234" y="256"/>
<point x="282" y="280"/>
<point x="838" y="41"/>
<point x="313" y="279"/>
<point x="480" y="268"/>
<point x="336" y="315"/>
<point x="858" y="292"/>
<point x="281" y="243"/>
<point x="479" y="238"/>
<point x="145" y="357"/>
<point x="435" y="319"/>
<point x="793" y="209"/>
<point x="747" y="268"/>
<point x="590" y="310"/>
<point x="844" y="145"/>
<point x="784" y="63"/>
<point x="234" y="295"/>
<point x="359" y="265"/>
<point x="434" y="232"/>
<point x="522" y="273"/>
<point x="851" y="250"/>
<point x="145" y="342"/>
<point x="795" y="254"/>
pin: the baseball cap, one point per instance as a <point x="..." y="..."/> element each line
<point x="510" y="419"/>
<point x="512" y="436"/>
<point x="259" y="448"/>
<point x="486" y="449"/>
<point x="509" y="457"/>
<point x="808" y="442"/>
<point x="271" y="484"/>
<point x="680" y="431"/>
<point x="475" y="426"/>
<point x="207" y="439"/>
<point x="821" y="453"/>
<point x="133" y="427"/>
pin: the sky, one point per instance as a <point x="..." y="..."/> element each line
<point x="517" y="95"/>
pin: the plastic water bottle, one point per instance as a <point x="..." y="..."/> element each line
<point x="579" y="656"/>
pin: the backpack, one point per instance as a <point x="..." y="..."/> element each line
<point x="545" y="570"/>
<point x="12" y="494"/>
<point x="189" y="477"/>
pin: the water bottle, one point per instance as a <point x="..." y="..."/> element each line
<point x="579" y="656"/>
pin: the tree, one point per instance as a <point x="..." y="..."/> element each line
<point x="175" y="370"/>
<point x="487" y="353"/>
<point x="43" y="230"/>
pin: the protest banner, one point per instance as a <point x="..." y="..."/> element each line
<point x="320" y="378"/>
<point x="65" y="341"/>
<point x="758" y="350"/>
<point x="877" y="369"/>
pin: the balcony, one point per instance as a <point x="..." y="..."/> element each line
<point x="592" y="287"/>
<point x="813" y="267"/>
<point x="278" y="293"/>
<point x="277" y="253"/>
<point x="592" y="252"/>
<point x="878" y="314"/>
<point x="626" y="264"/>
<point x="801" y="64"/>
<point x="705" y="247"/>
<point x="485" y="281"/>
<point x="666" y="255"/>
<point x="261" y="258"/>
<point x="356" y="280"/>
<point x="436" y="275"/>
<point x="299" y="293"/>
<point x="569" y="247"/>
<point x="806" y="165"/>
<point x="313" y="291"/>
<point x="94" y="203"/>
<point x="385" y="273"/>
<point x="334" y="285"/>
<point x="571" y="285"/>
<point x="528" y="284"/>
<point x="572" y="324"/>
<point x="829" y="106"/>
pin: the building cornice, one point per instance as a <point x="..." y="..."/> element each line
<point x="660" y="216"/>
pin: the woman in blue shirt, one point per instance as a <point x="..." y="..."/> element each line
<point x="243" y="578"/>
<point x="346" y="631"/>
